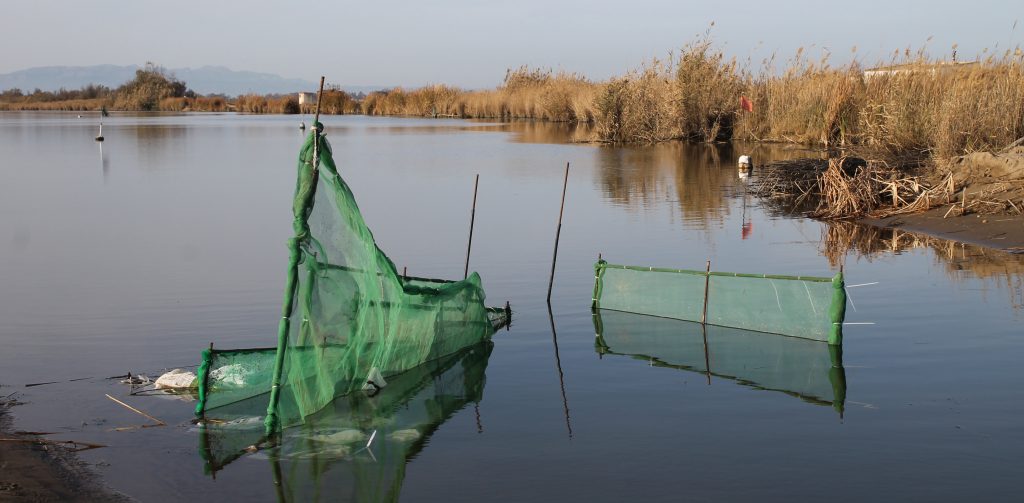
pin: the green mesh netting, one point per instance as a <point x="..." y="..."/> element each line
<point x="331" y="455"/>
<point x="810" y="370"/>
<point x="349" y="320"/>
<point x="798" y="306"/>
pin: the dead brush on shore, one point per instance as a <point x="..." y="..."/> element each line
<point x="848" y="188"/>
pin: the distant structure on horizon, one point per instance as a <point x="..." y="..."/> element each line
<point x="932" y="68"/>
<point x="307" y="98"/>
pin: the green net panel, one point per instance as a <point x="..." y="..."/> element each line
<point x="798" y="306"/>
<point x="349" y="320"/>
<point x="810" y="370"/>
<point x="331" y="456"/>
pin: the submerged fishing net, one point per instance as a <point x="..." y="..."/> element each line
<point x="798" y="306"/>
<point x="810" y="370"/>
<point x="349" y="320"/>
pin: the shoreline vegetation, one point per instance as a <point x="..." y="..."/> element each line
<point x="915" y="104"/>
<point x="898" y="137"/>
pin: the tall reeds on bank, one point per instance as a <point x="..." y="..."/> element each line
<point x="525" y="94"/>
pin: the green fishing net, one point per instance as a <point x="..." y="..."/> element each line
<point x="798" y="306"/>
<point x="350" y="321"/>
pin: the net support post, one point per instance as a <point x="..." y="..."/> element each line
<point x="837" y="310"/>
<point x="284" y="325"/>
<point x="598" y="286"/>
<point x="707" y="284"/>
<point x="304" y="195"/>
<point x="472" y="220"/>
<point x="558" y="233"/>
<point x="203" y="378"/>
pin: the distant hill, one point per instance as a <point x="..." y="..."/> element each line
<point x="203" y="80"/>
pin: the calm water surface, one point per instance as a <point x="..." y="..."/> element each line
<point x="134" y="254"/>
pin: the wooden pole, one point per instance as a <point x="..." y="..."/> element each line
<point x="316" y="126"/>
<point x="319" y="96"/>
<point x="558" y="233"/>
<point x="707" y="280"/>
<point x="472" y="219"/>
<point x="137" y="411"/>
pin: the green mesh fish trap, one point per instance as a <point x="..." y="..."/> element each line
<point x="349" y="320"/>
<point x="798" y="306"/>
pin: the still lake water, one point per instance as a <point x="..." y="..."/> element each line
<point x="134" y="254"/>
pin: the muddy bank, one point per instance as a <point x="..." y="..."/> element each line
<point x="33" y="469"/>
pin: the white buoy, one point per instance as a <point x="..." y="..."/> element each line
<point x="99" y="137"/>
<point x="746" y="166"/>
<point x="302" y="126"/>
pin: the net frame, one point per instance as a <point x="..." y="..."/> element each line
<point x="693" y="288"/>
<point x="347" y="314"/>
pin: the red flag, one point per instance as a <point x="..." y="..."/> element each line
<point x="746" y="104"/>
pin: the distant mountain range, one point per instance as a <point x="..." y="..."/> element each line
<point x="203" y="80"/>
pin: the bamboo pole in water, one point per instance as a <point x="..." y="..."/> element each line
<point x="707" y="280"/>
<point x="558" y="233"/>
<point x="472" y="219"/>
<point x="272" y="420"/>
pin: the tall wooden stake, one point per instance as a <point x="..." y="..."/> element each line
<point x="272" y="421"/>
<point x="558" y="233"/>
<point x="472" y="219"/>
<point x="707" y="280"/>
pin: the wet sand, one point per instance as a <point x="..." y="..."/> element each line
<point x="34" y="471"/>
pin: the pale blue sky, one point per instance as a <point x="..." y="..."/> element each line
<point x="470" y="43"/>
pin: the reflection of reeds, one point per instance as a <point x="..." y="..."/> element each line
<point x="840" y="238"/>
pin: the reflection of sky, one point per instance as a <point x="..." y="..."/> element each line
<point x="183" y="244"/>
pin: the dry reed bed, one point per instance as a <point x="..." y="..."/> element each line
<point x="847" y="188"/>
<point x="924" y="106"/>
<point x="524" y="94"/>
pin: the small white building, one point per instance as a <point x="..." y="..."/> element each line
<point x="307" y="98"/>
<point x="942" y="67"/>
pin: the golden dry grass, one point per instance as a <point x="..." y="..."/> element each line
<point x="83" y="105"/>
<point x="923" y="107"/>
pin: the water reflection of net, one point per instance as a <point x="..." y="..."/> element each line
<point x="810" y="370"/>
<point x="328" y="453"/>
